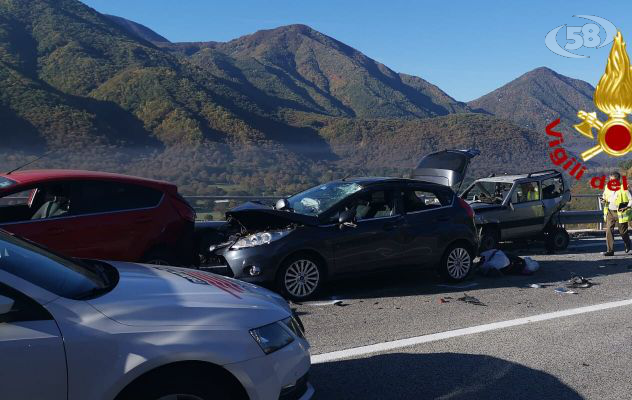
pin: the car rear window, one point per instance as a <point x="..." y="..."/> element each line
<point x="423" y="199"/>
<point x="100" y="196"/>
<point x="6" y="182"/>
<point x="444" y="160"/>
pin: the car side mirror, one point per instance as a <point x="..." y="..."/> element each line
<point x="6" y="305"/>
<point x="282" y="204"/>
<point x="347" y="218"/>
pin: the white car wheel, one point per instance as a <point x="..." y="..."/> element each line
<point x="300" y="278"/>
<point x="457" y="263"/>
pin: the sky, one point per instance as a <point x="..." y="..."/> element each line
<point x="467" y="48"/>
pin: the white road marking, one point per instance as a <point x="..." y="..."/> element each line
<point x="398" y="344"/>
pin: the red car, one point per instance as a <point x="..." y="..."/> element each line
<point x="99" y="215"/>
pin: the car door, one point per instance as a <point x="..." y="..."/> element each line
<point x="524" y="214"/>
<point x="32" y="351"/>
<point x="114" y="219"/>
<point x="44" y="216"/>
<point x="427" y="216"/>
<point x="373" y="241"/>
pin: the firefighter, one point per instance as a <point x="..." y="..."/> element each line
<point x="532" y="192"/>
<point x="616" y="212"/>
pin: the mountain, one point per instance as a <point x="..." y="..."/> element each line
<point x="309" y="71"/>
<point x="271" y="112"/>
<point x="539" y="97"/>
<point x="137" y="29"/>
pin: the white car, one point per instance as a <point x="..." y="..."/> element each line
<point x="94" y="330"/>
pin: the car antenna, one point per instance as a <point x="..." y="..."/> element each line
<point x="29" y="163"/>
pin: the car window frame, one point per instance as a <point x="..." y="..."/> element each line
<point x="515" y="189"/>
<point x="365" y="190"/>
<point x="554" y="177"/>
<point x="422" y="187"/>
<point x="71" y="214"/>
<point x="37" y="313"/>
<point x="160" y="201"/>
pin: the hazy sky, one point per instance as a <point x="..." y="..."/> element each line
<point x="467" y="48"/>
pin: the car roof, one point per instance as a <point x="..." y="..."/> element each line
<point x="47" y="175"/>
<point x="513" y="178"/>
<point x="373" y="180"/>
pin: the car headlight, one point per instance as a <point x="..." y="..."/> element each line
<point x="258" y="239"/>
<point x="272" y="337"/>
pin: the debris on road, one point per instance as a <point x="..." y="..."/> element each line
<point x="579" y="282"/>
<point x="471" y="300"/>
<point x="445" y="299"/>
<point x="493" y="261"/>
<point x="562" y="290"/>
<point x="530" y="266"/>
<point x="333" y="302"/>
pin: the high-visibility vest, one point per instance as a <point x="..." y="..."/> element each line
<point x="622" y="197"/>
<point x="533" y="195"/>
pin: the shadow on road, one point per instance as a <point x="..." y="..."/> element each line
<point x="434" y="376"/>
<point x="410" y="282"/>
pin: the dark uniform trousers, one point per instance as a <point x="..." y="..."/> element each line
<point x="612" y="220"/>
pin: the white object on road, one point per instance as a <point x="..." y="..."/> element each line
<point x="562" y="290"/>
<point x="89" y="330"/>
<point x="530" y="265"/>
<point x="494" y="259"/>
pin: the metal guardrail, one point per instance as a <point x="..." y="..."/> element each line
<point x="566" y="217"/>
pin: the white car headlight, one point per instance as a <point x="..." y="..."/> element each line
<point x="257" y="239"/>
<point x="272" y="337"/>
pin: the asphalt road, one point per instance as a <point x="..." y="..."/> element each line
<point x="551" y="356"/>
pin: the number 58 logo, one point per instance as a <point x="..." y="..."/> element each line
<point x="581" y="36"/>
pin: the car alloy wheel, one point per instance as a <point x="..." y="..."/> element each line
<point x="301" y="278"/>
<point x="458" y="263"/>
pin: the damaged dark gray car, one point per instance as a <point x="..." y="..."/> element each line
<point x="340" y="228"/>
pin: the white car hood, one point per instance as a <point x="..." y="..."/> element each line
<point x="151" y="295"/>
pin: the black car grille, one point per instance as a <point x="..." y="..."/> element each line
<point x="295" y="391"/>
<point x="217" y="265"/>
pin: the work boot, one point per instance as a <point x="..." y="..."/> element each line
<point x="608" y="253"/>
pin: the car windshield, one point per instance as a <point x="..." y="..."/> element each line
<point x="488" y="192"/>
<point x="59" y="275"/>
<point x="319" y="199"/>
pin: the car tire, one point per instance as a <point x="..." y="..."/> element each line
<point x="559" y="239"/>
<point x="300" y="277"/>
<point x="159" y="257"/>
<point x="457" y="262"/>
<point x="489" y="239"/>
<point x="181" y="387"/>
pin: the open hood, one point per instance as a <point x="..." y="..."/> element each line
<point x="447" y="167"/>
<point x="256" y="216"/>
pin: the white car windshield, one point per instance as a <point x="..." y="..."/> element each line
<point x="319" y="199"/>
<point x="58" y="275"/>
